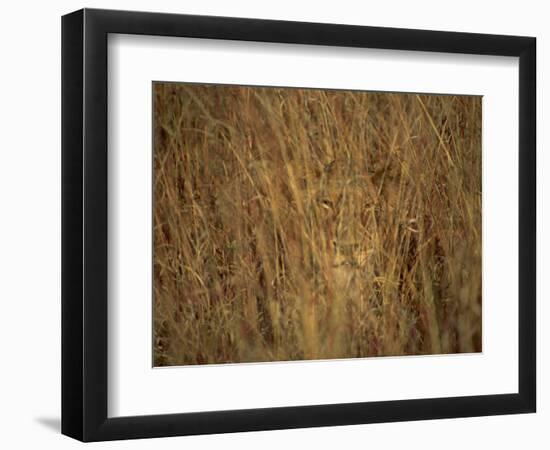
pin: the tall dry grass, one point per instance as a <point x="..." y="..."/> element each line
<point x="298" y="224"/>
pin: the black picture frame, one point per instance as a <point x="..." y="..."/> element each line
<point x="84" y="224"/>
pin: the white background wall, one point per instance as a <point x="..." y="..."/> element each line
<point x="30" y="221"/>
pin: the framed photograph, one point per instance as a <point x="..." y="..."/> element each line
<point x="273" y="224"/>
